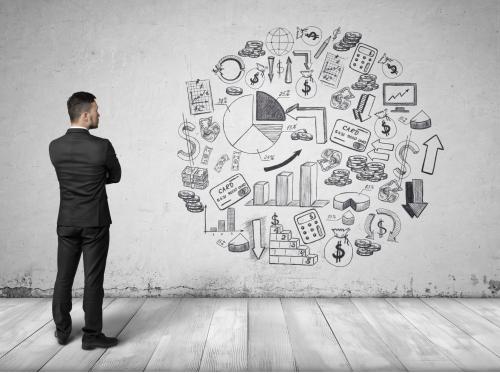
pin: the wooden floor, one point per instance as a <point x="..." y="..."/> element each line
<point x="267" y="334"/>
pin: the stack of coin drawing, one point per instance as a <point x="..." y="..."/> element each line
<point x="366" y="247"/>
<point x="366" y="82"/>
<point x="366" y="171"/>
<point x="253" y="49"/>
<point x="192" y="201"/>
<point x="349" y="41"/>
<point x="301" y="134"/>
<point x="339" y="178"/>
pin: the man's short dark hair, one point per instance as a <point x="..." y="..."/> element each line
<point x="79" y="103"/>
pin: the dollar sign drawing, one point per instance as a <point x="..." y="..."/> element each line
<point x="280" y="68"/>
<point x="382" y="229"/>
<point x="275" y="220"/>
<point x="312" y="35"/>
<point x="255" y="78"/>
<point x="393" y="68"/>
<point x="386" y="129"/>
<point x="307" y="88"/>
<point x="340" y="252"/>
<point x="401" y="154"/>
<point x="193" y="146"/>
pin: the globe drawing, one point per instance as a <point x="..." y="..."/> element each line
<point x="279" y="41"/>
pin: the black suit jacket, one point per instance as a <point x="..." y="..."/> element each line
<point x="84" y="165"/>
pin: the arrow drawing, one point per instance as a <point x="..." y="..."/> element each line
<point x="378" y="146"/>
<point x="396" y="223"/>
<point x="415" y="204"/>
<point x="284" y="163"/>
<point x="307" y="56"/>
<point x="368" y="226"/>
<point x="270" y="62"/>
<point x="319" y="115"/>
<point x="433" y="145"/>
<point x="257" y="248"/>
<point x="288" y="72"/>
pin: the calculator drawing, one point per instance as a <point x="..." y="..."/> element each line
<point x="363" y="58"/>
<point x="309" y="225"/>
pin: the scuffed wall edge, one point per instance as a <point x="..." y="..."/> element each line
<point x="492" y="291"/>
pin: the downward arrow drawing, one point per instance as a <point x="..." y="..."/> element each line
<point x="319" y="115"/>
<point x="257" y="244"/>
<point x="307" y="56"/>
<point x="270" y="62"/>
<point x="415" y="204"/>
<point x="433" y="145"/>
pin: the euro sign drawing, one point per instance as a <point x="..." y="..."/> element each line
<point x="401" y="154"/>
<point x="193" y="146"/>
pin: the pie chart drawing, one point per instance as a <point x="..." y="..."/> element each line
<point x="253" y="124"/>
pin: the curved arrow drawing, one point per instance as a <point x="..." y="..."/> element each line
<point x="284" y="163"/>
<point x="368" y="226"/>
<point x="396" y="223"/>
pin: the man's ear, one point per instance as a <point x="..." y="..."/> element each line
<point x="85" y="116"/>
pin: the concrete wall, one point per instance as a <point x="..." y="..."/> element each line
<point x="136" y="56"/>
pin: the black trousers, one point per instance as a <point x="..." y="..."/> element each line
<point x="94" y="243"/>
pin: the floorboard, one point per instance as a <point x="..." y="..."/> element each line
<point x="226" y="347"/>
<point x="182" y="344"/>
<point x="36" y="350"/>
<point x="479" y="328"/>
<point x="139" y="338"/>
<point x="360" y="342"/>
<point x="115" y="318"/>
<point x="313" y="343"/>
<point x="269" y="347"/>
<point x="260" y="334"/>
<point x="460" y="347"/>
<point x="487" y="308"/>
<point x="22" y="322"/>
<point x="415" y="351"/>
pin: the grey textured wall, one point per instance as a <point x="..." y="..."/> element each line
<point x="136" y="56"/>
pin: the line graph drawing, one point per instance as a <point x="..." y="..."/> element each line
<point x="200" y="97"/>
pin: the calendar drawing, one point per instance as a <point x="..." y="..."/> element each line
<point x="332" y="70"/>
<point x="199" y="96"/>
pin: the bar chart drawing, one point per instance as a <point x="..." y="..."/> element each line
<point x="228" y="225"/>
<point x="283" y="192"/>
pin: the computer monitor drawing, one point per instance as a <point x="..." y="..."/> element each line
<point x="400" y="95"/>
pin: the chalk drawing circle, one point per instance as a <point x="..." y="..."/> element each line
<point x="306" y="88"/>
<point x="254" y="78"/>
<point x="385" y="128"/>
<point x="312" y="35"/>
<point x="246" y="134"/>
<point x="279" y="41"/>
<point x="330" y="248"/>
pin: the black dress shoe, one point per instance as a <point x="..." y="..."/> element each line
<point x="89" y="341"/>
<point x="61" y="338"/>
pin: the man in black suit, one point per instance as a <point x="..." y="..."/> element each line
<point x="84" y="164"/>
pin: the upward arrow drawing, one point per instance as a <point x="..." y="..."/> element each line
<point x="433" y="145"/>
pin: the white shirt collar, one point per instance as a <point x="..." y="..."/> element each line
<point x="79" y="127"/>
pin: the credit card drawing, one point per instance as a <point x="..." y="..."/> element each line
<point x="230" y="191"/>
<point x="350" y="135"/>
